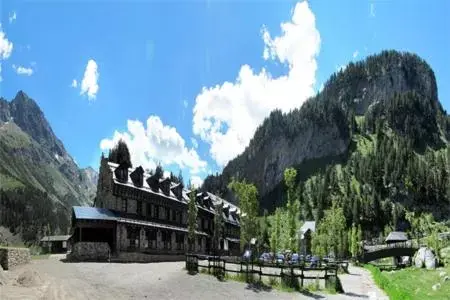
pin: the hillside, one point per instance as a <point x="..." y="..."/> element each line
<point x="33" y="161"/>
<point x="375" y="136"/>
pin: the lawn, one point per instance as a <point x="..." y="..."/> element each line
<point x="412" y="283"/>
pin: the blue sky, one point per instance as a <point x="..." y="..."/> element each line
<point x="187" y="82"/>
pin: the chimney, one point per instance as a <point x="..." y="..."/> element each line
<point x="121" y="172"/>
<point x="137" y="176"/>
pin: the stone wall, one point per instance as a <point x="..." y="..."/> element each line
<point x="89" y="251"/>
<point x="146" y="258"/>
<point x="11" y="257"/>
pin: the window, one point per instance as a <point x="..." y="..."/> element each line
<point x="139" y="207"/>
<point x="124" y="204"/>
<point x="174" y="215"/>
<point x="156" y="211"/>
<point x="149" y="211"/>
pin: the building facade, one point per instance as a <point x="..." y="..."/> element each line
<point x="137" y="212"/>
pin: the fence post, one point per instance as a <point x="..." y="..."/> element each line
<point x="301" y="276"/>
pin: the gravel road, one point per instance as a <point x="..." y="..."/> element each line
<point x="59" y="280"/>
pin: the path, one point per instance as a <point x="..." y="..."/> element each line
<point x="359" y="284"/>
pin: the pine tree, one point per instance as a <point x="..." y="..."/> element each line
<point x="192" y="219"/>
<point x="120" y="154"/>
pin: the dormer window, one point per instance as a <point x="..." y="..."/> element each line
<point x="153" y="183"/>
<point x="121" y="173"/>
<point x="165" y="185"/>
<point x="177" y="189"/>
<point x="137" y="176"/>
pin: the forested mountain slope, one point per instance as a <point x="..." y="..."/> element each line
<point x="39" y="180"/>
<point x="375" y="139"/>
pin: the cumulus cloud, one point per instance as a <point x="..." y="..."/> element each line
<point x="89" y="84"/>
<point x="156" y="142"/>
<point x="196" y="181"/>
<point x="227" y="115"/>
<point x="6" y="46"/>
<point x="21" y="70"/>
<point x="74" y="83"/>
<point x="12" y="17"/>
<point x="341" y="68"/>
<point x="355" y="54"/>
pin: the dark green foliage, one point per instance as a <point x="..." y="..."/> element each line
<point x="30" y="211"/>
<point x="120" y="154"/>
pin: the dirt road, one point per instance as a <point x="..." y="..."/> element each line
<point x="52" y="279"/>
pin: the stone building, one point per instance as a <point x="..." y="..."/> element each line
<point x="137" y="212"/>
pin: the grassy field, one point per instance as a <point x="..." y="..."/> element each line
<point x="412" y="283"/>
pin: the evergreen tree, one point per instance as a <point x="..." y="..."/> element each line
<point x="120" y="154"/>
<point x="192" y="219"/>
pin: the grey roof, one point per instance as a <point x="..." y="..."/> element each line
<point x="308" y="225"/>
<point x="54" y="238"/>
<point x="397" y="236"/>
<point x="93" y="213"/>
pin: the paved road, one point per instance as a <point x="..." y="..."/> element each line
<point x="155" y="281"/>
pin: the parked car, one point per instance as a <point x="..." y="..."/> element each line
<point x="247" y="255"/>
<point x="279" y="258"/>
<point x="314" y="262"/>
<point x="294" y="258"/>
<point x="265" y="257"/>
<point x="308" y="258"/>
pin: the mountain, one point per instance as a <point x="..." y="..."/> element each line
<point x="32" y="158"/>
<point x="379" y="116"/>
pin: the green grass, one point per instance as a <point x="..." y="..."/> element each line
<point x="9" y="183"/>
<point x="412" y="283"/>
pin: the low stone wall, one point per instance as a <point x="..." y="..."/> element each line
<point x="89" y="251"/>
<point x="146" y="258"/>
<point x="11" y="257"/>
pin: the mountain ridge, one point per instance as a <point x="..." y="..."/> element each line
<point x="322" y="131"/>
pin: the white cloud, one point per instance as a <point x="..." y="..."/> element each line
<point x="166" y="174"/>
<point x="185" y="103"/>
<point x="156" y="142"/>
<point x="196" y="181"/>
<point x="12" y="17"/>
<point x="74" y="83"/>
<point x="6" y="46"/>
<point x="372" y="10"/>
<point x="355" y="54"/>
<point x="89" y="84"/>
<point x="227" y="115"/>
<point x="20" y="70"/>
<point x="194" y="142"/>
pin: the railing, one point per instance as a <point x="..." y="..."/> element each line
<point x="293" y="274"/>
<point x="406" y="244"/>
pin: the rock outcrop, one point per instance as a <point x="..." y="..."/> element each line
<point x="425" y="257"/>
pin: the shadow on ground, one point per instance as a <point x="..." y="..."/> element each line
<point x="259" y="287"/>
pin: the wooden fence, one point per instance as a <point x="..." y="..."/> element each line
<point x="291" y="274"/>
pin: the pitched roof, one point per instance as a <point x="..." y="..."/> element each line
<point x="395" y="236"/>
<point x="93" y="213"/>
<point x="54" y="238"/>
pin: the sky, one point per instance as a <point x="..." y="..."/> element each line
<point x="186" y="83"/>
